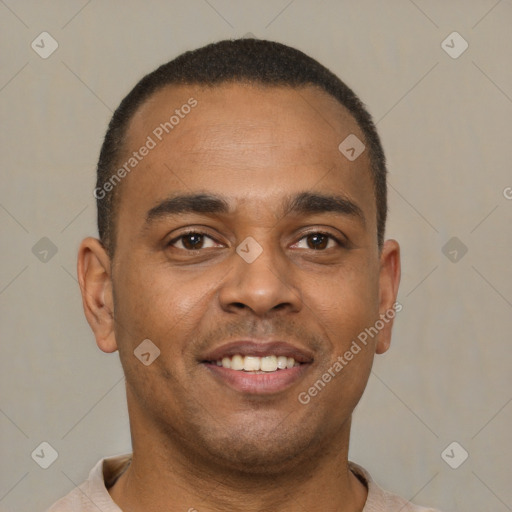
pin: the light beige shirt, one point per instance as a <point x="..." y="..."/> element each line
<point x="93" y="496"/>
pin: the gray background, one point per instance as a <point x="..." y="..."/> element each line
<point x="445" y="124"/>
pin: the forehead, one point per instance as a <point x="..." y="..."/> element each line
<point x="242" y="141"/>
<point x="254" y="115"/>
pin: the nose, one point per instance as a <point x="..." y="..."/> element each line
<point x="262" y="286"/>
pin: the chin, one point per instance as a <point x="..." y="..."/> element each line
<point x="252" y="451"/>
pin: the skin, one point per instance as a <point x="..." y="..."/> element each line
<point x="197" y="443"/>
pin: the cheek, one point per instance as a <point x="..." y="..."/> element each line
<point x="347" y="301"/>
<point x="347" y="307"/>
<point x="149" y="305"/>
<point x="153" y="303"/>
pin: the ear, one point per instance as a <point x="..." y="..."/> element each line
<point x="94" y="277"/>
<point x="389" y="280"/>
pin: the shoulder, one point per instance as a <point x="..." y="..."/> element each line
<point x="379" y="500"/>
<point x="74" y="501"/>
<point x="92" y="495"/>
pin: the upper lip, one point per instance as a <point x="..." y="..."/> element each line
<point x="259" y="348"/>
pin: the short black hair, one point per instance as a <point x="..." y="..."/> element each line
<point x="245" y="60"/>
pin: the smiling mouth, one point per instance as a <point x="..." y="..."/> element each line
<point x="256" y="364"/>
<point x="258" y="367"/>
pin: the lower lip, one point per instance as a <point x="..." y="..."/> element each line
<point x="258" y="383"/>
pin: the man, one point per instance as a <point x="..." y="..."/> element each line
<point x="243" y="276"/>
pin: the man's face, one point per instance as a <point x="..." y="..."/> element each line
<point x="187" y="280"/>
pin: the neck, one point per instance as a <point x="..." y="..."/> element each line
<point x="166" y="476"/>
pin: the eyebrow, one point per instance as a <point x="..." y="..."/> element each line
<point x="307" y="203"/>
<point x="304" y="203"/>
<point x="190" y="203"/>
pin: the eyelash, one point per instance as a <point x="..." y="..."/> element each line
<point x="339" y="242"/>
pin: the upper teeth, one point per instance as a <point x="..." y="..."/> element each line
<point x="255" y="363"/>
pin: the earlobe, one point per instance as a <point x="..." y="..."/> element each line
<point x="389" y="281"/>
<point x="94" y="277"/>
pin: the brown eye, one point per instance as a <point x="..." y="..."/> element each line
<point x="319" y="241"/>
<point x="192" y="241"/>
